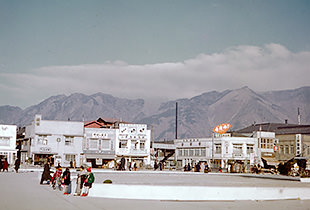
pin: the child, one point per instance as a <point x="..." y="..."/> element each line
<point x="88" y="182"/>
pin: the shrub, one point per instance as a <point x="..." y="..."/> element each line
<point x="107" y="181"/>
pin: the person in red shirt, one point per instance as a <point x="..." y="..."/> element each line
<point x="5" y="165"/>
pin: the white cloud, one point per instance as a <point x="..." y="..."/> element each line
<point x="271" y="67"/>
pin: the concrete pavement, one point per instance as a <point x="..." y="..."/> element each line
<point x="22" y="191"/>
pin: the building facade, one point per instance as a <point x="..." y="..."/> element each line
<point x="224" y="151"/>
<point x="99" y="146"/>
<point x="8" y="143"/>
<point x="291" y="140"/>
<point x="61" y="141"/>
<point x="133" y="142"/>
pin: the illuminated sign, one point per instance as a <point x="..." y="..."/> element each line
<point x="222" y="128"/>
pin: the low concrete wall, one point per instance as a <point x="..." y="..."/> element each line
<point x="196" y="193"/>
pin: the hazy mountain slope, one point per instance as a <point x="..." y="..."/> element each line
<point x="290" y="100"/>
<point x="196" y="116"/>
<point x="9" y="114"/>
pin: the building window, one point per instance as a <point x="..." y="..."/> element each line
<point x="4" y="141"/>
<point x="69" y="140"/>
<point x="292" y="149"/>
<point x="286" y="149"/>
<point x="237" y="149"/>
<point x="93" y="144"/>
<point x="122" y="143"/>
<point x="191" y="152"/>
<point x="266" y="143"/>
<point x="218" y="148"/>
<point x="203" y="152"/>
<point x="281" y="148"/>
<point x="105" y="144"/>
<point x="142" y="144"/>
<point x="186" y="152"/>
<point x="197" y="152"/>
<point x="42" y="139"/>
<point x="69" y="157"/>
<point x="249" y="148"/>
<point x="134" y="144"/>
<point x="181" y="152"/>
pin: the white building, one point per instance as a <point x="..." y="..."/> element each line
<point x="133" y="143"/>
<point x="99" y="146"/>
<point x="59" y="140"/>
<point x="224" y="150"/>
<point x="8" y="142"/>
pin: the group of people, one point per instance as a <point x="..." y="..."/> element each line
<point x="84" y="181"/>
<point x="4" y="164"/>
<point x="197" y="167"/>
<point x="121" y="165"/>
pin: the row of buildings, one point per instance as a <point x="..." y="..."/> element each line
<point x="99" y="143"/>
<point x="102" y="143"/>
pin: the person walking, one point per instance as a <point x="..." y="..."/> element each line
<point x="56" y="179"/>
<point x="81" y="176"/>
<point x="122" y="167"/>
<point x="67" y="181"/>
<point x="88" y="182"/>
<point x="5" y="165"/>
<point x="17" y="164"/>
<point x="46" y="175"/>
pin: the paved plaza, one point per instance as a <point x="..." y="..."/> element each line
<point x="23" y="191"/>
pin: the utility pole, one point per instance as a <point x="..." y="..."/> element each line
<point x="176" y="120"/>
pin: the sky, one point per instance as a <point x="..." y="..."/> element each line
<point x="155" y="50"/>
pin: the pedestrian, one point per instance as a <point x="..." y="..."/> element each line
<point x="5" y="165"/>
<point x="198" y="167"/>
<point x="155" y="166"/>
<point x="129" y="167"/>
<point x="1" y="164"/>
<point x="46" y="175"/>
<point x="160" y="166"/>
<point x="206" y="170"/>
<point x="135" y="166"/>
<point x="88" y="182"/>
<point x="189" y="168"/>
<point x="81" y="176"/>
<point x="17" y="164"/>
<point x="56" y="179"/>
<point x="67" y="181"/>
<point x="122" y="164"/>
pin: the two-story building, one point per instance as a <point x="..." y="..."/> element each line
<point x="225" y="150"/>
<point x="99" y="144"/>
<point x="8" y="142"/>
<point x="133" y="143"/>
<point x="61" y="141"/>
<point x="291" y="140"/>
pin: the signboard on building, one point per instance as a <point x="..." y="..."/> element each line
<point x="298" y="144"/>
<point x="222" y="128"/>
<point x="98" y="161"/>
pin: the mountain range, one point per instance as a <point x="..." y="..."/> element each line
<point x="196" y="116"/>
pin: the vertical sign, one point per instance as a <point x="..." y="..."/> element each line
<point x="298" y="145"/>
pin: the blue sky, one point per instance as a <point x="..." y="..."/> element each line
<point x="126" y="48"/>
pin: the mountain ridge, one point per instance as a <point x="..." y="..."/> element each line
<point x="196" y="115"/>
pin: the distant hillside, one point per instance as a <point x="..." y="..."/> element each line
<point x="196" y="116"/>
